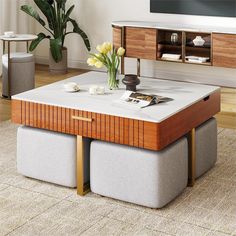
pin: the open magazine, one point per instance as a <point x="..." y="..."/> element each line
<point x="140" y="100"/>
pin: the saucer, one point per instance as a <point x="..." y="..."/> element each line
<point x="71" y="87"/>
<point x="10" y="36"/>
<point x="72" y="90"/>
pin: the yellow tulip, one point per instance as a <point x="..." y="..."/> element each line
<point x="99" y="64"/>
<point x="107" y="47"/>
<point x="120" y="51"/>
<point x="91" y="61"/>
<point x="99" y="56"/>
<point x="100" y="49"/>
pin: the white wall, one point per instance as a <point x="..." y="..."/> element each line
<point x="95" y="17"/>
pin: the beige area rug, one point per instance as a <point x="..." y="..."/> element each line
<point x="30" y="207"/>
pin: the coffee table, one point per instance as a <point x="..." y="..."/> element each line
<point x="99" y="117"/>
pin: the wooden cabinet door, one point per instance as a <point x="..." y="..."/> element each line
<point x="141" y="43"/>
<point x="117" y="34"/>
<point x="224" y="50"/>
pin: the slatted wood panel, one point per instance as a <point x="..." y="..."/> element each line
<point x="59" y="119"/>
<point x="224" y="50"/>
<point x="117" y="37"/>
<point x="141" y="43"/>
<point x="136" y="133"/>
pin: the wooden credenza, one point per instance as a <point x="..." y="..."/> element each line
<point x="144" y="41"/>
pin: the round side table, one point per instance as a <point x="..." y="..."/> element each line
<point x="17" y="38"/>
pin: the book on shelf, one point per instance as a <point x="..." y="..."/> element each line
<point x="196" y="59"/>
<point x="171" y="56"/>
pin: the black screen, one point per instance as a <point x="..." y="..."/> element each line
<point x="226" y="8"/>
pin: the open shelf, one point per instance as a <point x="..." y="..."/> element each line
<point x="191" y="45"/>
<point x="198" y="51"/>
<point x="183" y="46"/>
<point x="199" y="63"/>
<point x="170" y="60"/>
<point x="169" y="44"/>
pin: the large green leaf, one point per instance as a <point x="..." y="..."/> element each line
<point x="30" y="11"/>
<point x="35" y="43"/>
<point x="79" y="31"/>
<point x="56" y="49"/>
<point x="67" y="15"/>
<point x="48" y="11"/>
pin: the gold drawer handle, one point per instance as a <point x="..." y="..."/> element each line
<point x="82" y="118"/>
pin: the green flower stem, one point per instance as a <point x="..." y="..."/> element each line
<point x="113" y="82"/>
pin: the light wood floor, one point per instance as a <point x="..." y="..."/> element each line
<point x="226" y="118"/>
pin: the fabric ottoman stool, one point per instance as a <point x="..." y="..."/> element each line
<point x="49" y="156"/>
<point x="139" y="176"/>
<point x="206" y="146"/>
<point x="22" y="73"/>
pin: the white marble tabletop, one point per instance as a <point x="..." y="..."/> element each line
<point x="19" y="37"/>
<point x="177" y="27"/>
<point x="183" y="95"/>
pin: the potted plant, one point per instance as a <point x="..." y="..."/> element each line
<point x="57" y="17"/>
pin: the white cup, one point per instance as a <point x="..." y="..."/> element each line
<point x="96" y="90"/>
<point x="100" y="90"/>
<point x="71" y="87"/>
<point x="9" y="33"/>
<point x="93" y="90"/>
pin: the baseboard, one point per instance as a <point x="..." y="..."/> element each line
<point x="71" y="63"/>
<point x="170" y="71"/>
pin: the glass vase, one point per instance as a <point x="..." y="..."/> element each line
<point x="113" y="80"/>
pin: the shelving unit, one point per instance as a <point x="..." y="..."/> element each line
<point x="150" y="40"/>
<point x="184" y="46"/>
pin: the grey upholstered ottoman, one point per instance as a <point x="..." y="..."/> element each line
<point x="22" y="73"/>
<point x="48" y="156"/>
<point x="139" y="176"/>
<point x="206" y="146"/>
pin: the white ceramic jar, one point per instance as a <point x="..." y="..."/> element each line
<point x="198" y="41"/>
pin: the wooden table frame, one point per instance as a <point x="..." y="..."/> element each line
<point x="126" y="131"/>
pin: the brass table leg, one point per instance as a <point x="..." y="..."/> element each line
<point x="82" y="188"/>
<point x="191" y="158"/>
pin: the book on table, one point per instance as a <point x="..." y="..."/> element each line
<point x="140" y="100"/>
